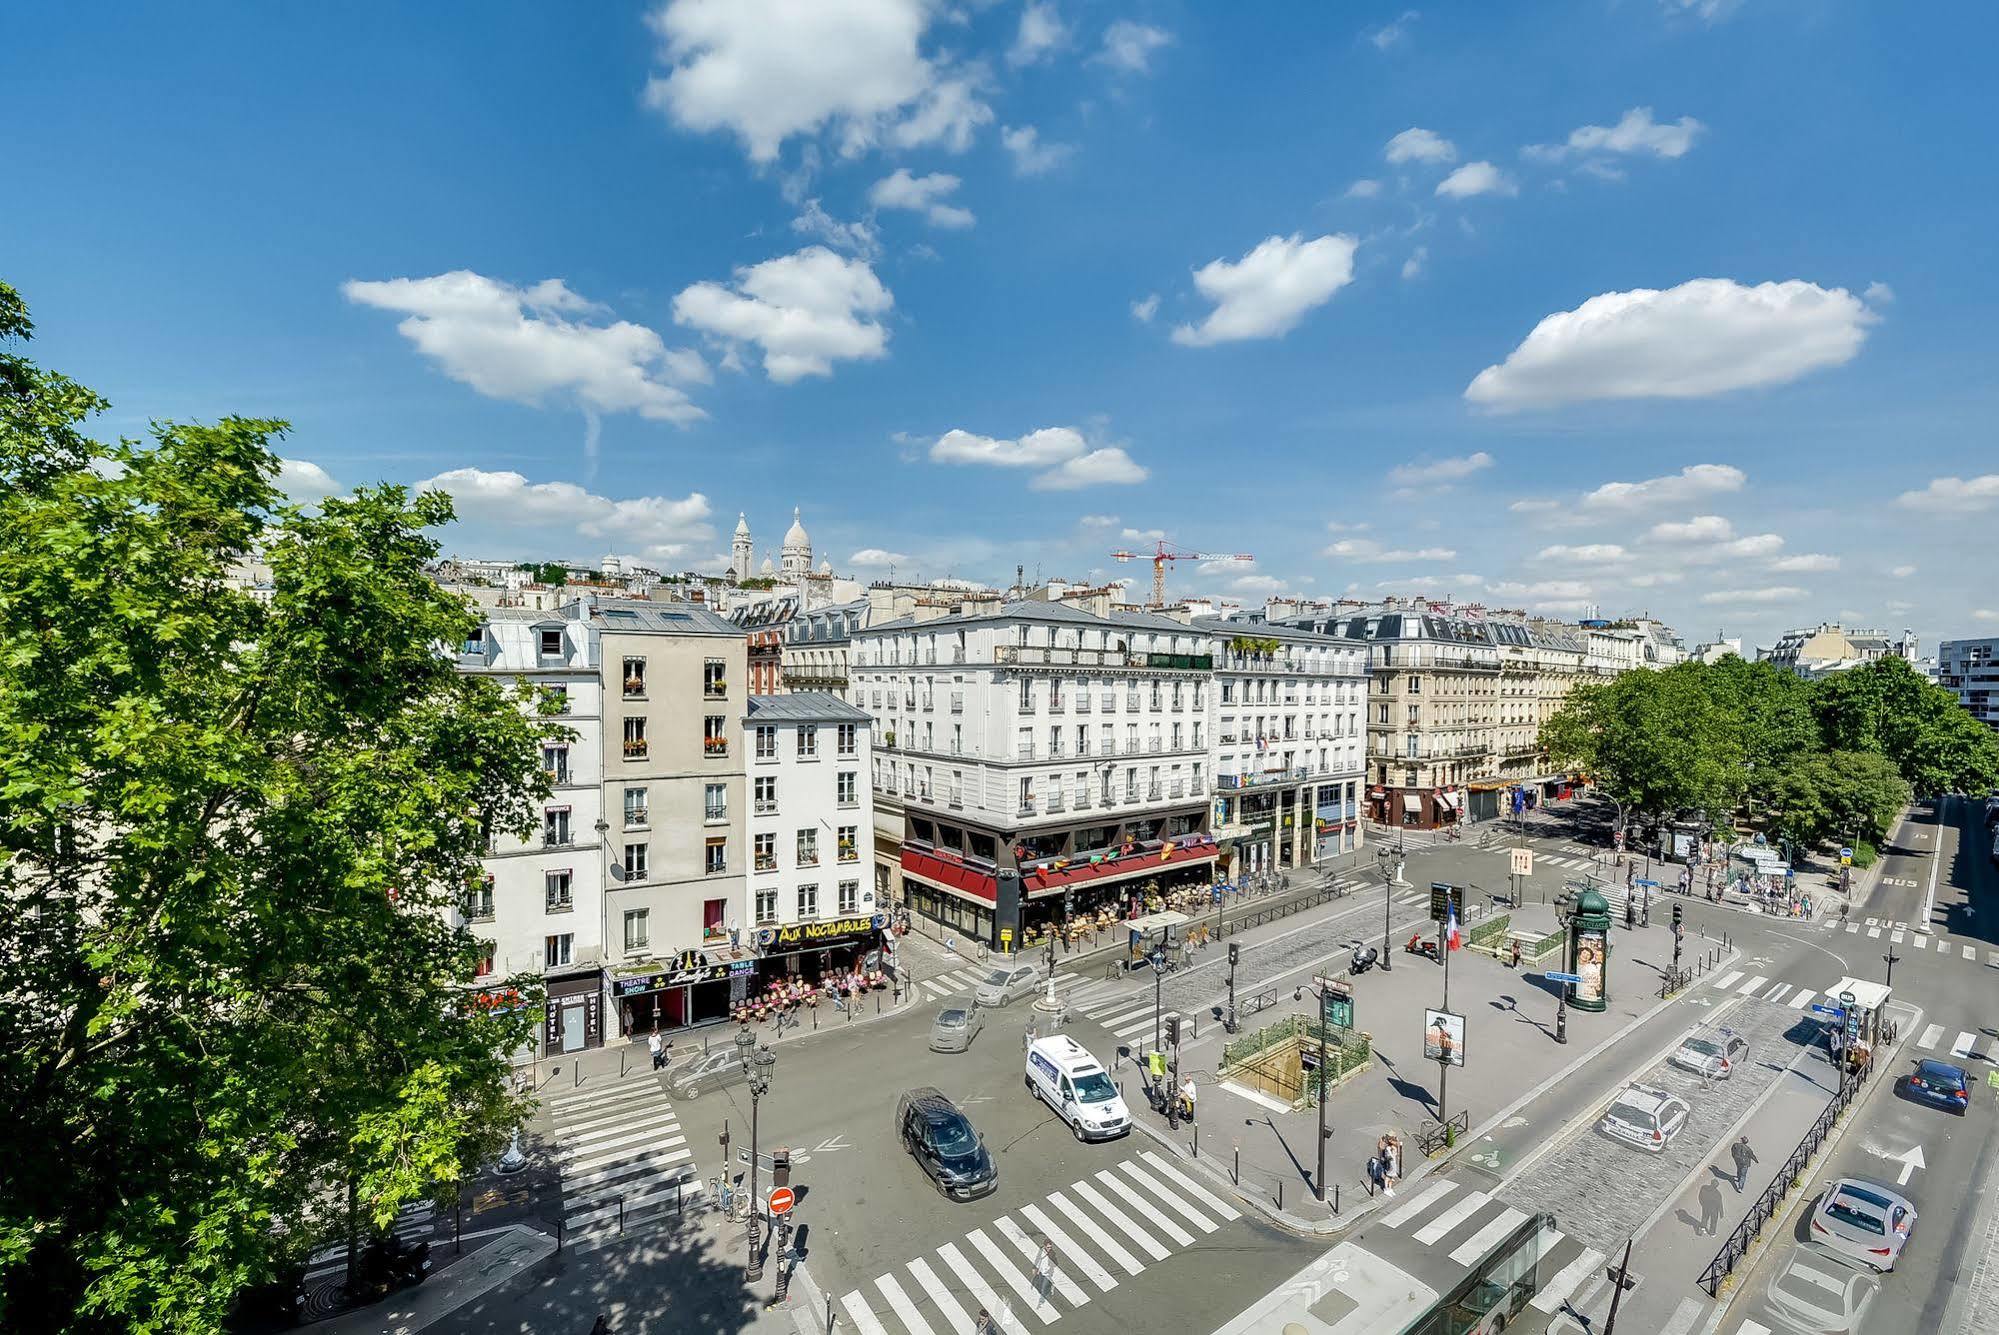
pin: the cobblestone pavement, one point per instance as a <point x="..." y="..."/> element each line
<point x="1602" y="1190"/>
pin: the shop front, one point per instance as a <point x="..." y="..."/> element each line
<point x="574" y="1016"/>
<point x="1335" y="823"/>
<point x="821" y="954"/>
<point x="693" y="989"/>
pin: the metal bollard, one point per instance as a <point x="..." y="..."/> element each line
<point x="1197" y="1140"/>
<point x="1235" y="1174"/>
<point x="1336" y="1198"/>
<point x="1280" y="1193"/>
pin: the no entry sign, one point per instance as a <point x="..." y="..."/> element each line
<point x="781" y="1201"/>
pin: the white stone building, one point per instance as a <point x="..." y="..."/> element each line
<point x="1970" y="670"/>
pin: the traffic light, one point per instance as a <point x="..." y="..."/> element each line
<point x="1676" y="918"/>
<point x="1173" y="1030"/>
<point x="1235" y="952"/>
<point x="780" y="1168"/>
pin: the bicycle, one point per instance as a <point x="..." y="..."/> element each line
<point x="723" y="1194"/>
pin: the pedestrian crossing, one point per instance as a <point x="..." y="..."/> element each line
<point x="1465" y="1225"/>
<point x="1742" y="983"/>
<point x="1921" y="941"/>
<point x="1102" y="1230"/>
<point x="414" y="1224"/>
<point x="620" y="1149"/>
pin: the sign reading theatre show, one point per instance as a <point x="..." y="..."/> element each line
<point x="834" y="932"/>
<point x="690" y="967"/>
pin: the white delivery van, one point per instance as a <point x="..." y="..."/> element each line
<point x="1062" y="1074"/>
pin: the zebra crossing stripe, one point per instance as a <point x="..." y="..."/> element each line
<point x="1081" y="1259"/>
<point x="1558" y="1289"/>
<point x="1482" y="1241"/>
<point x="1961" y="1046"/>
<point x="594" y="1099"/>
<point x="1728" y="979"/>
<point x="1928" y="1042"/>
<point x="912" y="1319"/>
<point x="859" y="1313"/>
<point x="947" y="1302"/>
<point x="1467" y="1205"/>
<point x="1970" y="953"/>
<point x="1069" y="1288"/>
<point x="1751" y="985"/>
<point x="1801" y="998"/>
<point x="1135" y="1028"/>
<point x="1091" y="1229"/>
<point x="1152" y="1184"/>
<point x="1852" y="927"/>
<point x="1116" y="1014"/>
<point x="1402" y="1214"/>
<point x="1145" y="1241"/>
<point x="661" y="1122"/>
<point x="1187" y="1184"/>
<point x="1873" y="922"/>
<point x="1010" y="1272"/>
<point x="1181" y="1237"/>
<point x="981" y="1290"/>
<point x="1777" y="993"/>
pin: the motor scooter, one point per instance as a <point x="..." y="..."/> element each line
<point x="1362" y="959"/>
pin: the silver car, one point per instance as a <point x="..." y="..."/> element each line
<point x="1865" y="1221"/>
<point x="1820" y="1294"/>
<point x="1646" y="1117"/>
<point x="1716" y="1057"/>
<point x="957" y="1025"/>
<point x="708" y="1071"/>
<point x="1008" y="982"/>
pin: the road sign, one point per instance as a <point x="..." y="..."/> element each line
<point x="1521" y="861"/>
<point x="1006" y="937"/>
<point x="1649" y="885"/>
<point x="1826" y="1010"/>
<point x="782" y="1200"/>
<point x="1335" y="1003"/>
<point x="1443" y="898"/>
<point x="1563" y="977"/>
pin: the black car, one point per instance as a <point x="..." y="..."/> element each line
<point x="946" y="1147"/>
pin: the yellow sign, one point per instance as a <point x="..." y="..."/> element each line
<point x="1006" y="936"/>
<point x="818" y="931"/>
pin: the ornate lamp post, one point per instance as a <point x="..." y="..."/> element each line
<point x="758" y="1061"/>
<point x="1391" y="873"/>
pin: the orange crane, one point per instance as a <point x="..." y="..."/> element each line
<point x="1165" y="551"/>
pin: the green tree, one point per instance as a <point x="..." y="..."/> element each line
<point x="1659" y="744"/>
<point x="552" y="573"/>
<point x="229" y="833"/>
<point x="1774" y="708"/>
<point x="1887" y="706"/>
<point x="1819" y="796"/>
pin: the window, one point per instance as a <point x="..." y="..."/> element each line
<point x="766" y="742"/>
<point x="808" y="901"/>
<point x="555" y="832"/>
<point x="808" y="741"/>
<point x="635" y="862"/>
<point x="1415" y="715"/>
<point x="808" y="848"/>
<point x="555" y="762"/>
<point x="847" y="788"/>
<point x="635" y="807"/>
<point x="1415" y="683"/>
<point x="766" y="792"/>
<point x="638" y="930"/>
<point x="555" y="950"/>
<point x="764" y="846"/>
<point x="849" y="739"/>
<point x="635" y="679"/>
<point x="1381" y="712"/>
<point x="557" y="698"/>
<point x="718" y="856"/>
<point x="556" y="892"/>
<point x="850" y="843"/>
<point x="715" y="735"/>
<point x="766" y="907"/>
<point x="479" y="901"/>
<point x="713" y="911"/>
<point x="714" y="685"/>
<point x="715" y="802"/>
<point x="635" y="739"/>
<point x="850" y="898"/>
<point x="484" y="967"/>
<point x="551" y="644"/>
<point x="1026" y="696"/>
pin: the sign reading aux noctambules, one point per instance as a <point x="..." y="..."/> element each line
<point x="792" y="934"/>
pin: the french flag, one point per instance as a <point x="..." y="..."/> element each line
<point x="1451" y="938"/>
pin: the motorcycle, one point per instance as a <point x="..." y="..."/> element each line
<point x="389" y="1265"/>
<point x="1363" y="959"/>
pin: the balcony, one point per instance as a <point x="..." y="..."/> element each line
<point x="957" y="702"/>
<point x="954" y="801"/>
<point x="715" y="815"/>
<point x="1057" y="705"/>
<point x="714" y="747"/>
<point x="1083" y="801"/>
<point x="1197" y="788"/>
<point x="1056" y="804"/>
<point x="1055" y="751"/>
<point x="766" y="806"/>
<point x="1155" y="793"/>
<point x="1110" y="704"/>
<point x="1033" y="655"/>
<point x="849" y="800"/>
<point x="635" y="817"/>
<point x="1131" y="701"/>
<point x="635" y="749"/>
<point x="1176" y="789"/>
<point x="1082" y="746"/>
<point x="1082" y="704"/>
<point x="848" y="852"/>
<point x="766" y="862"/>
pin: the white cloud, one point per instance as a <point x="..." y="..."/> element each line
<point x="1637" y="133"/>
<point x="1707" y="11"/>
<point x="1805" y="563"/>
<point x="1420" y="145"/>
<point x="1878" y="294"/>
<point x="1393" y="33"/>
<point x="1902" y="572"/>
<point x="1061" y="452"/>
<point x="525" y="344"/>
<point x="659" y="525"/>
<point x="921" y="194"/>
<point x="1690" y="483"/>
<point x="1984" y="614"/>
<point x="869" y="558"/>
<point x="1653" y="579"/>
<point x="303" y="480"/>
<point x="1701" y="528"/>
<point x="1257" y="585"/>
<point x="1268" y="291"/>
<point x="1453" y="469"/>
<point x="1340" y="526"/>
<point x="688" y="367"/>
<point x="1128" y="46"/>
<point x="1030" y="156"/>
<point x="1704" y="337"/>
<point x="1755" y="545"/>
<point x="1365" y="188"/>
<point x="1099" y="521"/>
<point x="1143" y="311"/>
<point x="1413" y="266"/>
<point x="765" y="70"/>
<point x="857" y="237"/>
<point x="1041" y="33"/>
<point x="1476" y="178"/>
<point x="1781" y="593"/>
<point x="1370" y="551"/>
<point x="1601" y="553"/>
<point x="1954" y="495"/>
<point x="1142" y="535"/>
<point x="1534" y="506"/>
<point x="805" y="311"/>
<point x="1540" y="592"/>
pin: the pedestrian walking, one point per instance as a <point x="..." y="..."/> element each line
<point x="1710" y="1208"/>
<point x="602" y="1325"/>
<point x="1044" y="1272"/>
<point x="983" y="1324"/>
<point x="1743" y="1156"/>
<point x="657" y="1048"/>
<point x="1391" y="1167"/>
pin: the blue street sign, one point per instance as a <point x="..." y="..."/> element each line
<point x="1845" y="852"/>
<point x="1218" y="894"/>
<point x="1827" y="1010"/>
<point x="1563" y="977"/>
<point x="1649" y="885"/>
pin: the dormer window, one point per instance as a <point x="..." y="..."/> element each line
<point x="551" y="644"/>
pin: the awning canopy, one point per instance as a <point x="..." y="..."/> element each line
<point x="1866" y="995"/>
<point x="1412" y="801"/>
<point x="1450" y="800"/>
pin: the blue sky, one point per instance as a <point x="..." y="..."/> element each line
<point x="979" y="284"/>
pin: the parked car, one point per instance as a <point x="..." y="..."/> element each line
<point x="1646" y="1117"/>
<point x="944" y="1144"/>
<point x="1821" y="1293"/>
<point x="957" y="1025"/>
<point x="1715" y="1057"/>
<point x="1008" y="982"/>
<point x="1865" y="1221"/>
<point x="709" y="1071"/>
<point x="1940" y="1083"/>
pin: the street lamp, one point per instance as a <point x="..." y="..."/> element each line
<point x="757" y="1061"/>
<point x="1891" y="958"/>
<point x="1391" y="872"/>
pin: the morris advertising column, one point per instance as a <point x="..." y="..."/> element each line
<point x="1589" y="953"/>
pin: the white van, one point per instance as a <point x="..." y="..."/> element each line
<point x="1062" y="1074"/>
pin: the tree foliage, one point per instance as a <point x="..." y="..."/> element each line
<point x="228" y="832"/>
<point x="1887" y="706"/>
<point x="1822" y="795"/>
<point x="1659" y="744"/>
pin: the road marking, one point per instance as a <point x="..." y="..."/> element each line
<point x="1777" y="993"/>
<point x="981" y="1290"/>
<point x="1197" y="1191"/>
<point x="1146" y="1242"/>
<point x="1751" y="985"/>
<point x="1895" y="937"/>
<point x="1970" y="953"/>
<point x="1082" y="1260"/>
<point x="1873" y="932"/>
<point x="1467" y="1205"/>
<point x="947" y="1304"/>
<point x="1928" y="1042"/>
<point x="1684" y="1316"/>
<point x="1181" y="1237"/>
<point x="1407" y="1211"/>
<point x="1118" y="1011"/>
<point x="645" y="1124"/>
<point x="1992" y="959"/>
<point x="1032" y="1254"/>
<point x="1852" y="927"/>
<point x="1961" y="1045"/>
<point x="1873" y="922"/>
<point x="903" y="1308"/>
<point x="1728" y="979"/>
<point x="1010" y="1272"/>
<point x="863" y="1318"/>
<point x="1800" y="999"/>
<point x="1564" y="1283"/>
<point x="1480" y="1242"/>
<point x="1752" y="1328"/>
<point x="1180" y="1207"/>
<point x="1092" y="1230"/>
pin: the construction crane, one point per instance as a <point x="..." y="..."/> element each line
<point x="1163" y="552"/>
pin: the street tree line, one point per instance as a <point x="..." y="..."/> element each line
<point x="232" y="1016"/>
<point x="1734" y="742"/>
